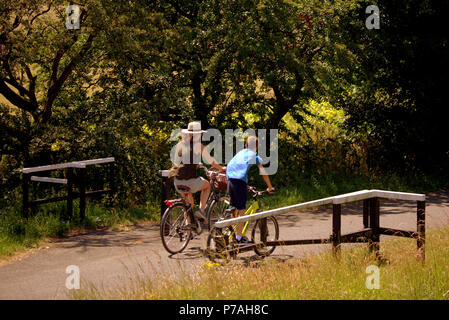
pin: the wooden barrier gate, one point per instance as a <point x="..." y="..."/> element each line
<point x="70" y="180"/>
<point x="165" y="190"/>
<point x="371" y="232"/>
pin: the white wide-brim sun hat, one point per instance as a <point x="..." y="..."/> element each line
<point x="193" y="127"/>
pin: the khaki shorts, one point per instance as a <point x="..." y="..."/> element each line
<point x="195" y="184"/>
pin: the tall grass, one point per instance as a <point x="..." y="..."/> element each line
<point x="314" y="277"/>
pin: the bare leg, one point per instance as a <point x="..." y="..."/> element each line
<point x="188" y="198"/>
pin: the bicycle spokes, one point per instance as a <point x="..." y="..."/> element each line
<point x="219" y="246"/>
<point x="260" y="234"/>
<point x="175" y="229"/>
<point x="217" y="211"/>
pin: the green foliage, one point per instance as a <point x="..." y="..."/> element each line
<point x="159" y="64"/>
<point x="319" y="144"/>
<point x="395" y="102"/>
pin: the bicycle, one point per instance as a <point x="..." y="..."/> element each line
<point x="222" y="245"/>
<point x="179" y="224"/>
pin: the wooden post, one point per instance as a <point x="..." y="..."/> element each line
<point x="421" y="229"/>
<point x="366" y="208"/>
<point x="82" y="190"/>
<point x="112" y="178"/>
<point x="25" y="194"/>
<point x="336" y="228"/>
<point x="374" y="223"/>
<point x="69" y="193"/>
<point x="112" y="186"/>
<point x="165" y="190"/>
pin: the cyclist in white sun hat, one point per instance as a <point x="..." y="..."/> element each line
<point x="188" y="155"/>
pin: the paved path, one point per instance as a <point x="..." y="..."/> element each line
<point x="110" y="258"/>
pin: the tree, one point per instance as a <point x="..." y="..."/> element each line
<point x="284" y="55"/>
<point x="193" y="51"/>
<point x="38" y="54"/>
<point x="397" y="99"/>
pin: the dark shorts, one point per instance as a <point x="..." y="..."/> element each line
<point x="238" y="192"/>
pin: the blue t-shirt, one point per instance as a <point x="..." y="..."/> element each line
<point x="238" y="167"/>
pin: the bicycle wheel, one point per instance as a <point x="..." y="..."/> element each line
<point x="175" y="233"/>
<point x="217" y="210"/>
<point x="219" y="242"/>
<point x="272" y="235"/>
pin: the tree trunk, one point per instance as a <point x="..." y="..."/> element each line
<point x="201" y="111"/>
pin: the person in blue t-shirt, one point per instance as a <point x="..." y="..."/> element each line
<point x="237" y="175"/>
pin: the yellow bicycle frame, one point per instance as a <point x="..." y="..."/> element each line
<point x="251" y="210"/>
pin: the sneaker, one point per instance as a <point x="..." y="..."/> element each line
<point x="244" y="240"/>
<point x="200" y="215"/>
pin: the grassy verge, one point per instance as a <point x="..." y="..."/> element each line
<point x="307" y="188"/>
<point x="315" y="277"/>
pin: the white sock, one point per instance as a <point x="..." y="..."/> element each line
<point x="238" y="237"/>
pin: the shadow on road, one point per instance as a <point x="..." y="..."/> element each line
<point x="188" y="254"/>
<point x="141" y="234"/>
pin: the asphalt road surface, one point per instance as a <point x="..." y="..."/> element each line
<point x="108" y="259"/>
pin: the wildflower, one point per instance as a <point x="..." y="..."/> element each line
<point x="150" y="296"/>
<point x="209" y="265"/>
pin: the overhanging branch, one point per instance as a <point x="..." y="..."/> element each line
<point x="56" y="82"/>
<point x="16" y="99"/>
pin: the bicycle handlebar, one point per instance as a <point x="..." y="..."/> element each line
<point x="209" y="173"/>
<point x="201" y="166"/>
<point x="256" y="192"/>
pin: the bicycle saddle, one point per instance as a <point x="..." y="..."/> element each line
<point x="183" y="188"/>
